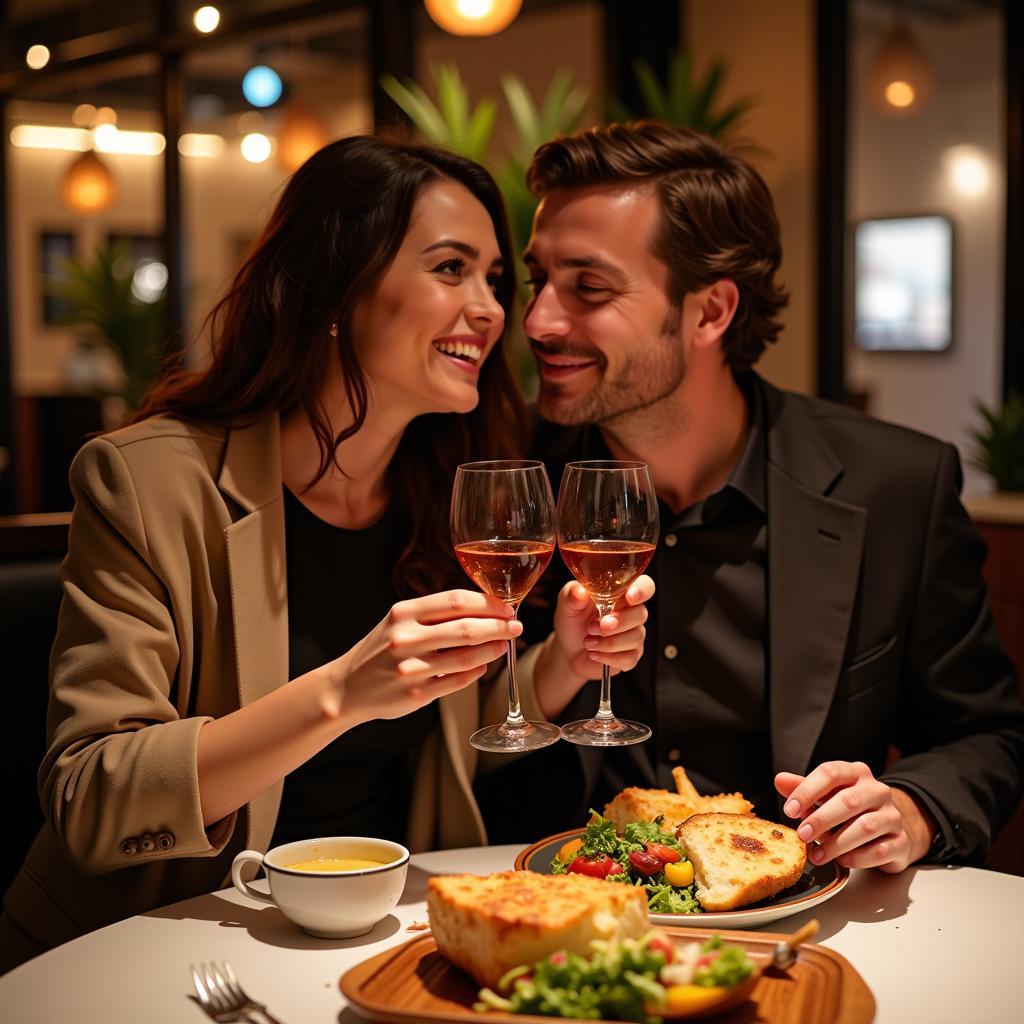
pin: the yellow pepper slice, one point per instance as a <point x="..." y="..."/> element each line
<point x="679" y="875"/>
<point x="685" y="999"/>
<point x="567" y="852"/>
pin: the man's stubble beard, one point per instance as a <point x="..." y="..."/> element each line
<point x="644" y="380"/>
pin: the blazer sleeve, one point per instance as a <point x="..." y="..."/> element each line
<point x="961" y="721"/>
<point x="121" y="763"/>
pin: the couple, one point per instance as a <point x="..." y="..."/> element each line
<point x="258" y="618"/>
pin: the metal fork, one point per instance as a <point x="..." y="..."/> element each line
<point x="222" y="997"/>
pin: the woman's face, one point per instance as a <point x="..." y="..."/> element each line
<point x="424" y="334"/>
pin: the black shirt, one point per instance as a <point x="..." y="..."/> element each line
<point x="339" y="589"/>
<point x="701" y="684"/>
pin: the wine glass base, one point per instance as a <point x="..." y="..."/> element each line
<point x="610" y="732"/>
<point x="512" y="739"/>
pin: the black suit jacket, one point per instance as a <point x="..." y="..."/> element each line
<point x="879" y="626"/>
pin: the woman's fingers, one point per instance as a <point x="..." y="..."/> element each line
<point x="433" y="687"/>
<point x="451" y="661"/>
<point x="450" y="605"/>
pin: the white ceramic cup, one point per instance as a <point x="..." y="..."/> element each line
<point x="329" y="904"/>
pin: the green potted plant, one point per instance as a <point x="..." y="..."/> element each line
<point x="999" y="443"/>
<point x="106" y="296"/>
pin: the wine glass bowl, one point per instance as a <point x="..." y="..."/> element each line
<point x="607" y="532"/>
<point x="503" y="530"/>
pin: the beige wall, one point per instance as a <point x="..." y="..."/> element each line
<point x="769" y="51"/>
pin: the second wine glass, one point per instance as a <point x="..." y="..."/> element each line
<point x="607" y="532"/>
<point x="503" y="528"/>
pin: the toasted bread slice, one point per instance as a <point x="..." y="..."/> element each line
<point x="635" y="804"/>
<point x="739" y="859"/>
<point x="488" y="925"/>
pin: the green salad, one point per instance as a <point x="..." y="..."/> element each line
<point x="636" y="980"/>
<point x="645" y="855"/>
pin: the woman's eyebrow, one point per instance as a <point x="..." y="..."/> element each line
<point x="453" y="243"/>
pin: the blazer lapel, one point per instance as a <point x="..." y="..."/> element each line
<point x="251" y="476"/>
<point x="814" y="555"/>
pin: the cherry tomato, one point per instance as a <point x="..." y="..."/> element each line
<point x="664" y="853"/>
<point x="598" y="867"/>
<point x="645" y="864"/>
<point x="615" y="869"/>
<point x="707" y="958"/>
<point x="662" y="944"/>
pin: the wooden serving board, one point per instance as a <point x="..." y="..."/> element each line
<point x="414" y="982"/>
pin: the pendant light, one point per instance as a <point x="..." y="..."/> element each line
<point x="87" y="185"/>
<point x="473" y="17"/>
<point x="900" y="79"/>
<point x="301" y="133"/>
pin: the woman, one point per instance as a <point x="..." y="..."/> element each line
<point x="256" y="622"/>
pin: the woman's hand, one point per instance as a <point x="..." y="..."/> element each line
<point x="856" y="819"/>
<point x="424" y="648"/>
<point x="582" y="643"/>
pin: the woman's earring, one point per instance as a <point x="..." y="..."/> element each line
<point x="334" y="329"/>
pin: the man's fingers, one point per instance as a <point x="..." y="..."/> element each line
<point x="818" y="784"/>
<point x="631" y="640"/>
<point x="887" y="849"/>
<point x="786" y="782"/>
<point x="618" y="621"/>
<point x="640" y="590"/>
<point x="847" y="803"/>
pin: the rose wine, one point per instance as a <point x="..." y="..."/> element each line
<point x="606" y="567"/>
<point x="505" y="568"/>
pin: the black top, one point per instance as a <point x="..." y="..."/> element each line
<point x="702" y="675"/>
<point x="339" y="589"/>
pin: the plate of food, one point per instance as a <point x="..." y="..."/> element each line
<point x="703" y="861"/>
<point x="518" y="946"/>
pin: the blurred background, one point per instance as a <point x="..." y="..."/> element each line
<point x="145" y="141"/>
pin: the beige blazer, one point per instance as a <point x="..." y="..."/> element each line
<point x="175" y="612"/>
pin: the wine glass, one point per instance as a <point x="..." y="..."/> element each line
<point x="607" y="531"/>
<point x="503" y="528"/>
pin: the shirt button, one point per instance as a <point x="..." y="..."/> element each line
<point x="670" y="651"/>
<point x="671" y="540"/>
<point x="165" y="841"/>
<point x="130" y="847"/>
<point x="147" y="844"/>
<point x="674" y="754"/>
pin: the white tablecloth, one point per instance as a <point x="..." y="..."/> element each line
<point x="935" y="945"/>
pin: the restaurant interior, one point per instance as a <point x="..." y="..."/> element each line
<point x="145" y="141"/>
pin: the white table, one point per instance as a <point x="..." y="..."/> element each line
<point x="933" y="944"/>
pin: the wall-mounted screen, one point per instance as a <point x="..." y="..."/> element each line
<point x="903" y="284"/>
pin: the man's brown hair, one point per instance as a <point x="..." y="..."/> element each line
<point x="717" y="216"/>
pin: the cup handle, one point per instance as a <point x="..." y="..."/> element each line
<point x="246" y="857"/>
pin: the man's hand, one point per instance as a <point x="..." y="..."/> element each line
<point x="855" y="819"/>
<point x="582" y="643"/>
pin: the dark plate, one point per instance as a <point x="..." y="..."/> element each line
<point x="816" y="885"/>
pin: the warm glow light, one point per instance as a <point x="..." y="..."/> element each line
<point x="301" y="134"/>
<point x="84" y="115"/>
<point x="43" y="136"/>
<point x="968" y="170"/>
<point x="256" y="148"/>
<point x="206" y="19"/>
<point x="111" y="139"/>
<point x="473" y="17"/>
<point x="88" y="186"/>
<point x="899" y="94"/>
<point x="200" y="144"/>
<point x="38" y="56"/>
<point x="105" y="115"/>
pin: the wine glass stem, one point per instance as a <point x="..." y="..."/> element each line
<point x="515" y="718"/>
<point x="604" y="705"/>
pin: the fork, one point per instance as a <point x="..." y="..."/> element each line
<point x="222" y="997"/>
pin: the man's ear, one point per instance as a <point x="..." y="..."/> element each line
<point x="718" y="305"/>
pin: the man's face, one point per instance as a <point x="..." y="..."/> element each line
<point x="606" y="338"/>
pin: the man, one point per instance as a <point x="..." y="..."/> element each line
<point x="820" y="598"/>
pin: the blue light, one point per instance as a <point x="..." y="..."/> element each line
<point x="261" y="86"/>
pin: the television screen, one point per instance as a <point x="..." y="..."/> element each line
<point x="903" y="286"/>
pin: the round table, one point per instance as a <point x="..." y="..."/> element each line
<point x="934" y="944"/>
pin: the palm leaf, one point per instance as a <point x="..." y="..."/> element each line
<point x="999" y="445"/>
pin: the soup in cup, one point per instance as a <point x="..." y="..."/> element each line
<point x="332" y="888"/>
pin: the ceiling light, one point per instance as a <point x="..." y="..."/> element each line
<point x="200" y="144"/>
<point x="899" y="77"/>
<point x="206" y="19"/>
<point x="88" y="186"/>
<point x="256" y="147"/>
<point x="968" y="170"/>
<point x="111" y="139"/>
<point x="44" y="136"/>
<point x="84" y="115"/>
<point x="38" y="56"/>
<point x="261" y="86"/>
<point x="301" y="133"/>
<point x="473" y="17"/>
<point x="105" y="115"/>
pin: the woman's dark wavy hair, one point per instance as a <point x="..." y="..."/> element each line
<point x="333" y="234"/>
<point x="717" y="216"/>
